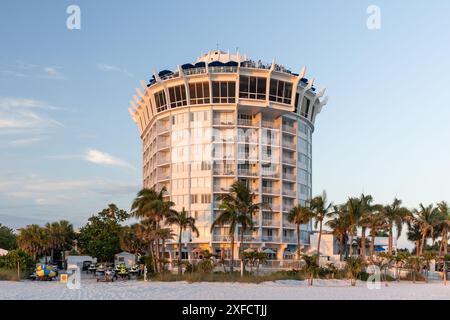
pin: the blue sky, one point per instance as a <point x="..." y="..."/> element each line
<point x="68" y="146"/>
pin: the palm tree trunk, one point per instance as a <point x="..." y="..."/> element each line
<point x="417" y="247"/>
<point x="298" y="241"/>
<point x="179" y="252"/>
<point x="351" y="244"/>
<point x="390" y="240"/>
<point x="232" y="254"/>
<point x="163" y="255"/>
<point x="445" y="243"/>
<point x="372" y="243"/>
<point x="150" y="253"/>
<point x="341" y="246"/>
<point x="441" y="245"/>
<point x="423" y="241"/>
<point x="241" y="252"/>
<point x="363" y="243"/>
<point x="318" y="241"/>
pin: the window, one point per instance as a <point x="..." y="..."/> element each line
<point x="177" y="96"/>
<point x="224" y="91"/>
<point x="160" y="99"/>
<point x="305" y="107"/>
<point x="199" y="92"/>
<point x="280" y="91"/>
<point x="252" y="88"/>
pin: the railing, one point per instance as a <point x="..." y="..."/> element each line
<point x="255" y="65"/>
<point x="288" y="128"/>
<point x="289" y="176"/>
<point x="163" y="160"/>
<point x="246" y="139"/>
<point x="222" y="69"/>
<point x="221" y="189"/>
<point x="223" y="170"/>
<point x="222" y="139"/>
<point x="192" y="71"/>
<point x="161" y="144"/>
<point x="163" y="176"/>
<point x="289" y="192"/>
<point x="162" y="127"/>
<point x="270" y="222"/>
<point x="269" y="174"/>
<point x="271" y="207"/>
<point x="287" y="224"/>
<point x="289" y="160"/>
<point x="288" y="144"/>
<point x="247" y="172"/>
<point x="268" y="124"/>
<point x="270" y="190"/>
<point x="220" y="237"/>
<point x="287" y="207"/>
<point x="270" y="238"/>
<point x="290" y="239"/>
<point x="247" y="123"/>
<point x="223" y="122"/>
<point x="248" y="156"/>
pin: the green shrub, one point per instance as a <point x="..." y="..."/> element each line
<point x="8" y="275"/>
<point x="16" y="256"/>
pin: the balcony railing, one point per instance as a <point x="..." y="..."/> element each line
<point x="223" y="170"/>
<point x="221" y="188"/>
<point x="248" y="123"/>
<point x="223" y="122"/>
<point x="287" y="224"/>
<point x="162" y="144"/>
<point x="270" y="238"/>
<point x="163" y="176"/>
<point x="163" y="160"/>
<point x="192" y="71"/>
<point x="162" y="127"/>
<point x="288" y="128"/>
<point x="271" y="207"/>
<point x="222" y="69"/>
<point x="247" y="172"/>
<point x="270" y="190"/>
<point x="269" y="173"/>
<point x="290" y="239"/>
<point x="287" y="207"/>
<point x="270" y="222"/>
<point x="222" y="139"/>
<point x="288" y="144"/>
<point x="268" y="124"/>
<point x="245" y="139"/>
<point x="288" y="160"/>
<point x="289" y="192"/>
<point x="289" y="176"/>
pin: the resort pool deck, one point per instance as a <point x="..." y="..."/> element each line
<point x="279" y="290"/>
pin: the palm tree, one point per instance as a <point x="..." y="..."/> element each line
<point x="164" y="234"/>
<point x="396" y="215"/>
<point x="367" y="209"/>
<point x="130" y="240"/>
<point x="311" y="267"/>
<point x="320" y="209"/>
<point x="354" y="265"/>
<point x="33" y="240"/>
<point x="145" y="231"/>
<point x="60" y="236"/>
<point x="354" y="212"/>
<point x="150" y="204"/>
<point x="425" y="217"/>
<point x="414" y="234"/>
<point x="236" y="208"/>
<point x="300" y="214"/>
<point x="339" y="227"/>
<point x="443" y="222"/>
<point x="375" y="222"/>
<point x="184" y="222"/>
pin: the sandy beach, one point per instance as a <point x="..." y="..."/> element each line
<point x="279" y="290"/>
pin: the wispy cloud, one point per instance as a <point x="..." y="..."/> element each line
<point x="35" y="190"/>
<point x="103" y="158"/>
<point x="110" y="68"/>
<point x="19" y="114"/>
<point x="26" y="141"/>
<point x="29" y="70"/>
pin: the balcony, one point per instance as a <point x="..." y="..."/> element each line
<point x="268" y="124"/>
<point x="222" y="69"/>
<point x="265" y="238"/>
<point x="221" y="170"/>
<point x="163" y="144"/>
<point x="271" y="207"/>
<point x="247" y="123"/>
<point x="288" y="144"/>
<point x="223" y="122"/>
<point x="289" y="128"/>
<point x="290" y="239"/>
<point x="289" y="160"/>
<point x="223" y="139"/>
<point x="289" y="192"/>
<point x="289" y="176"/>
<point x="287" y="224"/>
<point x="247" y="172"/>
<point x="287" y="207"/>
<point x="221" y="189"/>
<point x="163" y="160"/>
<point x="252" y="156"/>
<point x="221" y="237"/>
<point x="163" y="127"/>
<point x="194" y="71"/>
<point x="270" y="190"/>
<point x="270" y="174"/>
<point x="270" y="223"/>
<point x="163" y="176"/>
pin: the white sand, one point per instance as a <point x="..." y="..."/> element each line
<point x="288" y="289"/>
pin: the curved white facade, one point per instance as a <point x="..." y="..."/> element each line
<point x="226" y="118"/>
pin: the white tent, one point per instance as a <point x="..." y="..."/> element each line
<point x="3" y="252"/>
<point x="125" y="257"/>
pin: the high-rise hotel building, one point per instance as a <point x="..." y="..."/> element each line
<point x="225" y="118"/>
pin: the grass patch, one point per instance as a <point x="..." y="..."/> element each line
<point x="229" y="277"/>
